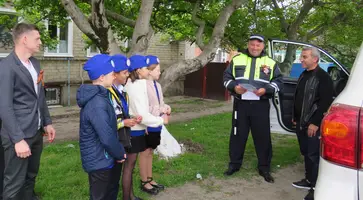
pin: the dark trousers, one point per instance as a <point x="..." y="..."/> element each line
<point x="310" y="149"/>
<point x="2" y="164"/>
<point x="254" y="116"/>
<point x="104" y="184"/>
<point x="20" y="173"/>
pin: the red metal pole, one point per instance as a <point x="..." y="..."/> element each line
<point x="204" y="89"/>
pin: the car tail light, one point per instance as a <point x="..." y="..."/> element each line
<point x="339" y="136"/>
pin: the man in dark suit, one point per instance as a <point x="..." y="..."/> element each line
<point x="24" y="114"/>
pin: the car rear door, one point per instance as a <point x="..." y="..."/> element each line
<point x="287" y="53"/>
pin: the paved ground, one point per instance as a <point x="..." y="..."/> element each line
<point x="66" y="119"/>
<point x="240" y="189"/>
<point x="66" y="122"/>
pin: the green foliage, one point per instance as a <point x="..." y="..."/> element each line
<point x="341" y="20"/>
<point x="6" y="24"/>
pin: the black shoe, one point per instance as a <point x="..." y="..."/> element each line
<point x="153" y="191"/>
<point x="230" y="171"/>
<point x="157" y="186"/>
<point x="267" y="176"/>
<point x="303" y="184"/>
<point x="310" y="195"/>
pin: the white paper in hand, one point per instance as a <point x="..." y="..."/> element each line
<point x="250" y="96"/>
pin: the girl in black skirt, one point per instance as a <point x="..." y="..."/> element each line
<point x="139" y="105"/>
<point x="124" y="122"/>
<point x="157" y="107"/>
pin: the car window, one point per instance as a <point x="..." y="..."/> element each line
<point x="288" y="56"/>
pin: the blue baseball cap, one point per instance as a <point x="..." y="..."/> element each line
<point x="152" y="60"/>
<point x="137" y="62"/>
<point x="258" y="37"/>
<point x="98" y="65"/>
<point x="121" y="62"/>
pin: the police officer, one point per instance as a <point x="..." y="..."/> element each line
<point x="252" y="78"/>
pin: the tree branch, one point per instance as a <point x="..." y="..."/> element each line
<point x="280" y="15"/>
<point x="121" y="18"/>
<point x="100" y="24"/>
<point x="200" y="23"/>
<point x="184" y="67"/>
<point x="316" y="31"/>
<point x="340" y="17"/>
<point x="304" y="11"/>
<point x="80" y="20"/>
<point x="143" y="31"/>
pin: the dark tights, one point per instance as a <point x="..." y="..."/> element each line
<point x="127" y="189"/>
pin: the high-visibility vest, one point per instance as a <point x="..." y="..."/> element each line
<point x="115" y="97"/>
<point x="243" y="62"/>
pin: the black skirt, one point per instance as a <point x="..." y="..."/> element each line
<point x="138" y="144"/>
<point x="153" y="139"/>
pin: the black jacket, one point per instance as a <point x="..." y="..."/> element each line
<point x="230" y="82"/>
<point x="318" y="96"/>
<point x="123" y="132"/>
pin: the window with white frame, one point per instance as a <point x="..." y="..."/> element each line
<point x="53" y="95"/>
<point x="64" y="35"/>
<point x="92" y="50"/>
<point x="6" y="41"/>
<point x="221" y="56"/>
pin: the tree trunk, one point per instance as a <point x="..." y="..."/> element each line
<point x="290" y="55"/>
<point x="113" y="46"/>
<point x="143" y="31"/>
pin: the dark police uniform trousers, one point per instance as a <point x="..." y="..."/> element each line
<point x="251" y="115"/>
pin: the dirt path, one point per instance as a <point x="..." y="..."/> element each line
<point x="238" y="189"/>
<point x="67" y="127"/>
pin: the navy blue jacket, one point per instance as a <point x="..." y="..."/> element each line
<point x="98" y="140"/>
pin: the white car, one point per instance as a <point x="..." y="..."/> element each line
<point x="340" y="172"/>
<point x="341" y="162"/>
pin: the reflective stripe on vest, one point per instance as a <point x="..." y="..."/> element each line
<point x="244" y="61"/>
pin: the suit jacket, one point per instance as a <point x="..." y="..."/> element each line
<point x="19" y="103"/>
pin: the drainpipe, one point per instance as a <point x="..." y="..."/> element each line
<point x="69" y="82"/>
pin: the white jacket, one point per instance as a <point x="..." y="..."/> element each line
<point x="139" y="105"/>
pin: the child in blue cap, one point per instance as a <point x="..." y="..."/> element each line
<point x="157" y="107"/>
<point x="139" y="105"/>
<point x="98" y="140"/>
<point x="124" y="120"/>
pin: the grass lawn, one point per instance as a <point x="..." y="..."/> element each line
<point x="61" y="175"/>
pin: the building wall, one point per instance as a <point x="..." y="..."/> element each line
<point x="170" y="52"/>
<point x="59" y="70"/>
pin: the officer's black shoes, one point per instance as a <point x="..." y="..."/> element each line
<point x="310" y="195"/>
<point x="267" y="176"/>
<point x="230" y="171"/>
<point x="303" y="184"/>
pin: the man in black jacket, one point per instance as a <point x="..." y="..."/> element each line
<point x="313" y="96"/>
